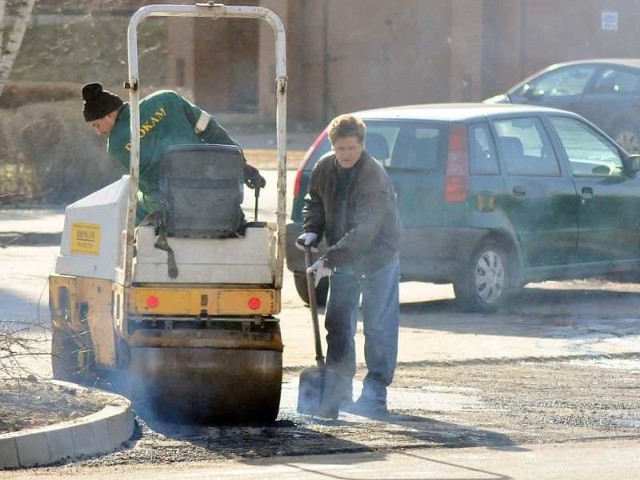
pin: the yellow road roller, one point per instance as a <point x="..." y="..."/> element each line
<point x="178" y="313"/>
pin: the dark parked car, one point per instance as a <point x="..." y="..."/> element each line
<point x="492" y="197"/>
<point x="606" y="92"/>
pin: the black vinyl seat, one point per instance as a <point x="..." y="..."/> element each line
<point x="202" y="189"/>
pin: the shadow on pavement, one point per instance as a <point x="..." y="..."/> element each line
<point x="296" y="435"/>
<point x="8" y="239"/>
<point x="418" y="431"/>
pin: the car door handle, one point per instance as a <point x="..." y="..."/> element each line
<point x="586" y="192"/>
<point x="519" y="191"/>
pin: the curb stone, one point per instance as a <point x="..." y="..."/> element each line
<point x="98" y="433"/>
<point x="8" y="239"/>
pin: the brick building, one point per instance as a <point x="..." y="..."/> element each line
<point x="352" y="54"/>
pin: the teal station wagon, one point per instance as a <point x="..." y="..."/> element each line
<point x="492" y="197"/>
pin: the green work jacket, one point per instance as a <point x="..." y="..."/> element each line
<point x="166" y="119"/>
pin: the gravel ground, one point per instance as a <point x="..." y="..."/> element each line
<point x="498" y="404"/>
<point x="32" y="403"/>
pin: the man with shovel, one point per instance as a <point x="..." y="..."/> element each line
<point x="352" y="203"/>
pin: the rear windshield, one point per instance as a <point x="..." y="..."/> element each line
<point x="397" y="144"/>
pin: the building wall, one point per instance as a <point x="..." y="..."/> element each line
<point x="558" y="31"/>
<point x="181" y="53"/>
<point x="373" y="53"/>
<point x="216" y="60"/>
<point x="465" y="36"/>
<point x="397" y="58"/>
<point x="501" y="46"/>
<point x="522" y="37"/>
<point x="338" y="62"/>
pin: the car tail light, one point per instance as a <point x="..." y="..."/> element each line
<point x="316" y="143"/>
<point x="296" y="184"/>
<point x="457" y="179"/>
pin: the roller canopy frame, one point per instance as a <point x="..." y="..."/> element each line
<point x="214" y="11"/>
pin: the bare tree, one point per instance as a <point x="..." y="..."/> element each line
<point x="9" y="51"/>
<point x="3" y="7"/>
<point x="24" y="350"/>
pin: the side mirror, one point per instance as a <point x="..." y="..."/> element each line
<point x="633" y="164"/>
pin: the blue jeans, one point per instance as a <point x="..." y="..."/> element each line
<point x="380" y="317"/>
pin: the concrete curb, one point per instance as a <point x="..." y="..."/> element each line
<point x="101" y="432"/>
<point x="8" y="239"/>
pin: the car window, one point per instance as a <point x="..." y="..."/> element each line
<point x="525" y="148"/>
<point x="618" y="82"/>
<point x="570" y="80"/>
<point x="589" y="153"/>
<point x="417" y="146"/>
<point x="396" y="144"/>
<point x="482" y="151"/>
<point x="379" y="140"/>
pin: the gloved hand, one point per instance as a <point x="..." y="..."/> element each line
<point x="319" y="270"/>
<point x="307" y="239"/>
<point x="252" y="177"/>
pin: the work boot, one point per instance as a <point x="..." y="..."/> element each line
<point x="368" y="407"/>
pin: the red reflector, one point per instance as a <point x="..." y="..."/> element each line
<point x="254" y="303"/>
<point x="153" y="301"/>
<point x="457" y="179"/>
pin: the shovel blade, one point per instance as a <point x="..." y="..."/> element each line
<point x="318" y="392"/>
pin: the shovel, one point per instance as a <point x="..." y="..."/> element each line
<point x="317" y="392"/>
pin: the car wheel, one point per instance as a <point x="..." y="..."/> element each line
<point x="322" y="289"/>
<point x="627" y="137"/>
<point x="484" y="285"/>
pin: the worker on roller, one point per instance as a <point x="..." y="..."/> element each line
<point x="166" y="119"/>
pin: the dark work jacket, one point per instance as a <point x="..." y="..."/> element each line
<point x="370" y="235"/>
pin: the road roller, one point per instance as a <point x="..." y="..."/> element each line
<point x="178" y="312"/>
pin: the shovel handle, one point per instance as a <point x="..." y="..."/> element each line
<point x="313" y="305"/>
<point x="255" y="205"/>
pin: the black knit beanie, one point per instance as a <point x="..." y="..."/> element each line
<point x="98" y="102"/>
